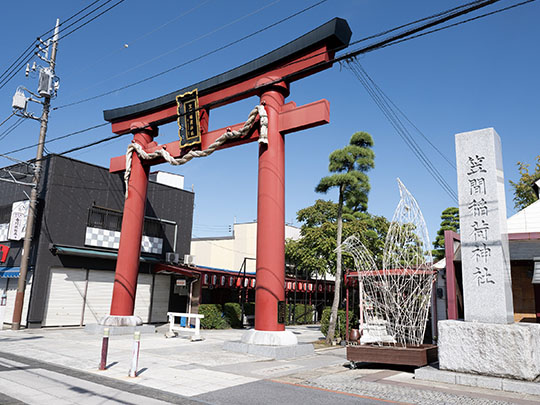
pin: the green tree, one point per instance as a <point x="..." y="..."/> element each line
<point x="449" y="222"/>
<point x="524" y="195"/>
<point x="314" y="252"/>
<point x="348" y="166"/>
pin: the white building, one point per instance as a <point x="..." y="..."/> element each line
<point x="231" y="252"/>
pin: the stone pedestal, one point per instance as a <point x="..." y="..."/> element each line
<point x="115" y="320"/>
<point x="272" y="344"/>
<point x="496" y="350"/>
<point x="269" y="338"/>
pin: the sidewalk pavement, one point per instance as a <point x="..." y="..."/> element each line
<point x="203" y="371"/>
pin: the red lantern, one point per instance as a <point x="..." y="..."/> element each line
<point x="252" y="283"/>
<point x="231" y="281"/>
<point x="320" y="287"/>
<point x="205" y="279"/>
<point x="223" y="279"/>
<point x="214" y="279"/>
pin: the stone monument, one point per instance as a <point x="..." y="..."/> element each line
<point x="487" y="285"/>
<point x="488" y="342"/>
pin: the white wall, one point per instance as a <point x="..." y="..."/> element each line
<point x="525" y="221"/>
<point x="228" y="253"/>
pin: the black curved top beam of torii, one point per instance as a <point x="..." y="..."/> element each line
<point x="299" y="58"/>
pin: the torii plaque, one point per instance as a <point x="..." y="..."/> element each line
<point x="267" y="77"/>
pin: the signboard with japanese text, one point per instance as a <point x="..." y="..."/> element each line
<point x="189" y="128"/>
<point x="17" y="223"/>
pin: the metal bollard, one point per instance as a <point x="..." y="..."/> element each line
<point x="135" y="354"/>
<point x="104" y="349"/>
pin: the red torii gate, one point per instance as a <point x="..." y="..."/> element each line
<point x="268" y="77"/>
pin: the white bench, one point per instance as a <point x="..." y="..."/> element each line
<point x="173" y="327"/>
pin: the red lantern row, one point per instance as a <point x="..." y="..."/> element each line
<point x="228" y="281"/>
<point x="249" y="282"/>
<point x="307" y="287"/>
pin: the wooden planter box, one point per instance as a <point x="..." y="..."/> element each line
<point x="410" y="355"/>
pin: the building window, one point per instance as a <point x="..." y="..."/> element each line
<point x="104" y="218"/>
<point x="111" y="220"/>
<point x="153" y="228"/>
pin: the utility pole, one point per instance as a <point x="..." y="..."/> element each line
<point x="45" y="89"/>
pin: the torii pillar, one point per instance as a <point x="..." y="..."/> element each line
<point x="267" y="77"/>
<point x="270" y="273"/>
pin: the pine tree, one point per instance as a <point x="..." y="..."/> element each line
<point x="450" y="222"/>
<point x="349" y="166"/>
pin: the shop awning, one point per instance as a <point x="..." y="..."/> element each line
<point x="172" y="269"/>
<point x="9" y="272"/>
<point x="93" y="252"/>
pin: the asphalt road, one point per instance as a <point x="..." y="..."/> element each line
<point x="28" y="381"/>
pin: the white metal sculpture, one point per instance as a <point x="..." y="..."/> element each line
<point x="394" y="301"/>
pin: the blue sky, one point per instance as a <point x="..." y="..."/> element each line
<point x="477" y="75"/>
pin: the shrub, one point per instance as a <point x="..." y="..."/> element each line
<point x="233" y="312"/>
<point x="340" y="324"/>
<point x="213" y="317"/>
<point x="303" y="314"/>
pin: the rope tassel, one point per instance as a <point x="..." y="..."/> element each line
<point x="226" y="136"/>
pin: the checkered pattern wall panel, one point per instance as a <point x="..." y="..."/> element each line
<point x="102" y="238"/>
<point x="151" y="245"/>
<point x="4" y="232"/>
<point x="111" y="240"/>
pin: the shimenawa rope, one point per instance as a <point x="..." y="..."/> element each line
<point x="228" y="135"/>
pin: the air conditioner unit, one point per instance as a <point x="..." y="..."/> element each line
<point x="189" y="259"/>
<point x="171" y="257"/>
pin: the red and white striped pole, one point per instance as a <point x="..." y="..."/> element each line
<point x="135" y="354"/>
<point x="104" y="349"/>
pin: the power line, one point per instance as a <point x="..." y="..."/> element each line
<point x="11" y="73"/>
<point x="92" y="19"/>
<point x="194" y="59"/>
<point x="447" y="15"/>
<point x="59" y="138"/>
<point x="88" y="145"/>
<point x="414" y="126"/>
<point x="381" y="100"/>
<point x="21" y="56"/>
<point x="63" y="29"/>
<point x="441" y="13"/>
<point x="349" y="55"/>
<point x="7" y="119"/>
<point x="131" y="42"/>
<point x="11" y="128"/>
<point x="146" y="62"/>
<point x="28" y="54"/>
<point x="70" y="18"/>
<point x="462" y="22"/>
<point x="352" y="54"/>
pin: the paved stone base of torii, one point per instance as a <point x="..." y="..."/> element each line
<point x="488" y="342"/>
